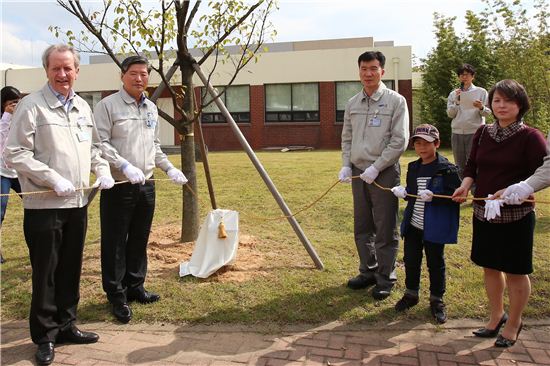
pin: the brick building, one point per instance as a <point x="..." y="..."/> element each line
<point x="294" y="95"/>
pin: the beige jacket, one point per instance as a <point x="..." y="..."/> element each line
<point x="130" y="134"/>
<point x="467" y="119"/>
<point x="376" y="129"/>
<point x="46" y="143"/>
<point x="541" y="178"/>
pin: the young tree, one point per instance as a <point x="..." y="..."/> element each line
<point x="169" y="30"/>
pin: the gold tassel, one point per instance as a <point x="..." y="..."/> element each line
<point x="222" y="234"/>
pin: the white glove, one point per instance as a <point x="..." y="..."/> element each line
<point x="426" y="195"/>
<point x="516" y="193"/>
<point x="63" y="187"/>
<point x="399" y="191"/>
<point x="104" y="182"/>
<point x="492" y="208"/>
<point x="177" y="176"/>
<point x="345" y="174"/>
<point x="370" y="174"/>
<point x="134" y="175"/>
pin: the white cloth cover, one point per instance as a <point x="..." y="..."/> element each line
<point x="210" y="252"/>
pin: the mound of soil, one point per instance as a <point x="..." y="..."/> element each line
<point x="166" y="252"/>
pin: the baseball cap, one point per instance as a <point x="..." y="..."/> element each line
<point x="426" y="132"/>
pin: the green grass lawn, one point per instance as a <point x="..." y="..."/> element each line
<point x="287" y="287"/>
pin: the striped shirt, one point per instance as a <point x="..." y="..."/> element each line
<point x="417" y="219"/>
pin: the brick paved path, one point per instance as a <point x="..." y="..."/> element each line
<point x="399" y="343"/>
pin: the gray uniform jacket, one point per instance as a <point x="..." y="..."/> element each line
<point x="376" y="129"/>
<point x="541" y="178"/>
<point x="46" y="143"/>
<point x="130" y="134"/>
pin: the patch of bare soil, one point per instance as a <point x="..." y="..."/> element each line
<point x="166" y="252"/>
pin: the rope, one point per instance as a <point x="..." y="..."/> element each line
<point x="449" y="197"/>
<point x="377" y="185"/>
<point x="88" y="188"/>
<point x="305" y="208"/>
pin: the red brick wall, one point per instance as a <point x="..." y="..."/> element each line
<point x="259" y="134"/>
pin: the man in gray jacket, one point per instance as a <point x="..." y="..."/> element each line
<point x="128" y="127"/>
<point x="374" y="136"/>
<point x="53" y="144"/>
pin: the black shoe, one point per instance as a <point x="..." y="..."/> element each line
<point x="2" y="260"/>
<point x="406" y="302"/>
<point x="490" y="333"/>
<point x="45" y="353"/>
<point x="437" y="308"/>
<point x="144" y="298"/>
<point x="75" y="335"/>
<point x="505" y="342"/>
<point x="359" y="282"/>
<point x="380" y="293"/>
<point x="122" y="312"/>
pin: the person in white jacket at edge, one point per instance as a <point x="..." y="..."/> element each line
<point x="517" y="193"/>
<point x="53" y="144"/>
<point x="10" y="96"/>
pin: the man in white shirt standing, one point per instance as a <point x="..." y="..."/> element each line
<point x="467" y="114"/>
<point x="127" y="123"/>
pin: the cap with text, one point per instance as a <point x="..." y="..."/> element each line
<point x="426" y="132"/>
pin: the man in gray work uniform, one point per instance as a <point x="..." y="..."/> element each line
<point x="127" y="123"/>
<point x="374" y="136"/>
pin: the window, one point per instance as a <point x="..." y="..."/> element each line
<point x="292" y="102"/>
<point x="344" y="91"/>
<point x="236" y="99"/>
<point x="347" y="89"/>
<point x="92" y="98"/>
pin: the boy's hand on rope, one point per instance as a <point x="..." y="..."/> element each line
<point x="345" y="174"/>
<point x="370" y="174"/>
<point x="517" y="193"/>
<point x="399" y="191"/>
<point x="134" y="175"/>
<point x="104" y="182"/>
<point x="425" y="195"/>
<point x="177" y="176"/>
<point x="63" y="187"/>
<point x="492" y="207"/>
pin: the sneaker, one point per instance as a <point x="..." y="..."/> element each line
<point x="380" y="293"/>
<point x="359" y="282"/>
<point x="438" y="311"/>
<point x="406" y="302"/>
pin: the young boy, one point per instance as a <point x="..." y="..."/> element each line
<point x="429" y="222"/>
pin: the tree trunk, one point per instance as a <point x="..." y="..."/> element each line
<point x="190" y="220"/>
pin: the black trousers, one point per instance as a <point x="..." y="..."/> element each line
<point x="435" y="259"/>
<point x="126" y="216"/>
<point x="55" y="238"/>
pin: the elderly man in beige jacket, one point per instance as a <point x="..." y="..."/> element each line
<point x="53" y="144"/>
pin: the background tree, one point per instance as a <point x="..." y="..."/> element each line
<point x="521" y="44"/>
<point x="506" y="40"/>
<point x="168" y="31"/>
<point x="439" y="76"/>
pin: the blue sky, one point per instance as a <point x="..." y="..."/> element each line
<point x="24" y="24"/>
